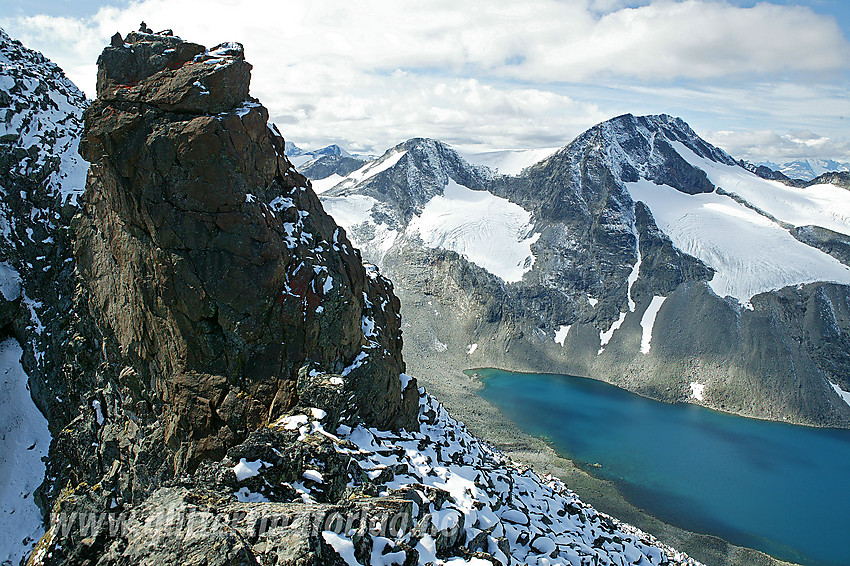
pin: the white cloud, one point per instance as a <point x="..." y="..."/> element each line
<point x="371" y="73"/>
<point x="767" y="145"/>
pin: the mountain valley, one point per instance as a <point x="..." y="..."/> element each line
<point x="231" y="363"/>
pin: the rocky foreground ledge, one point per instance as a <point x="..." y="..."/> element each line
<point x="231" y="389"/>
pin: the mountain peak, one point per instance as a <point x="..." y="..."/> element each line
<point x="175" y="75"/>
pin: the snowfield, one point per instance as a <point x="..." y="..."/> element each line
<point x="489" y="231"/>
<point x="751" y="253"/>
<point x="508" y="161"/>
<point x="827" y="206"/>
<point x="24" y="440"/>
<point x="647" y="322"/>
<point x="329" y="182"/>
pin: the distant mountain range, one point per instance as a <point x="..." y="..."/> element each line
<point x="807" y="169"/>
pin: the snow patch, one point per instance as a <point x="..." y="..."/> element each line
<point x="313" y="476"/>
<point x="342" y="545"/>
<point x="697" y="390"/>
<point x="292" y="422"/>
<point x="245" y="495"/>
<point x="647" y="322"/>
<point x="635" y="273"/>
<point x="487" y="230"/>
<point x="605" y="337"/>
<point x="245" y="469"/>
<point x="405" y="380"/>
<point x="471" y="349"/>
<point x="561" y="334"/>
<point x="10" y="282"/>
<point x="98" y="412"/>
<point x="845" y="395"/>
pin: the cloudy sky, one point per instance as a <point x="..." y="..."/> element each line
<point x="763" y="80"/>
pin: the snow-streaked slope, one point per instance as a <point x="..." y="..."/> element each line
<point x="24" y="440"/>
<point x="508" y="161"/>
<point x="483" y="495"/>
<point x="45" y="117"/>
<point x="373" y="168"/>
<point x="822" y="205"/>
<point x="355" y="211"/>
<point x="750" y="253"/>
<point x="322" y="185"/>
<point x="489" y="231"/>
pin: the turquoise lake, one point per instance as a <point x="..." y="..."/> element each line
<point x="778" y="488"/>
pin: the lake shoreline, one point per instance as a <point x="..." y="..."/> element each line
<point x="459" y="394"/>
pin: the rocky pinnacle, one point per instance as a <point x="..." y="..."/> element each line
<point x="222" y="287"/>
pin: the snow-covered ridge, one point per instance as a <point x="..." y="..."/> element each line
<point x="490" y="499"/>
<point x="807" y="169"/>
<point x="827" y="206"/>
<point x="373" y="168"/>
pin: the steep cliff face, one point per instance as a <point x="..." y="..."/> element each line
<point x="212" y="268"/>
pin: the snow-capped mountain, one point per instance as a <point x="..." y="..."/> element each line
<point x="807" y="169"/>
<point x="638" y="253"/>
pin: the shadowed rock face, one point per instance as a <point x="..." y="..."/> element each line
<point x="211" y="266"/>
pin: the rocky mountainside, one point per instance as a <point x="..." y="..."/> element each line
<point x="221" y="374"/>
<point x="638" y="254"/>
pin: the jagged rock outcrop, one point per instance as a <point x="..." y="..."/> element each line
<point x="838" y="178"/>
<point x="211" y="265"/>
